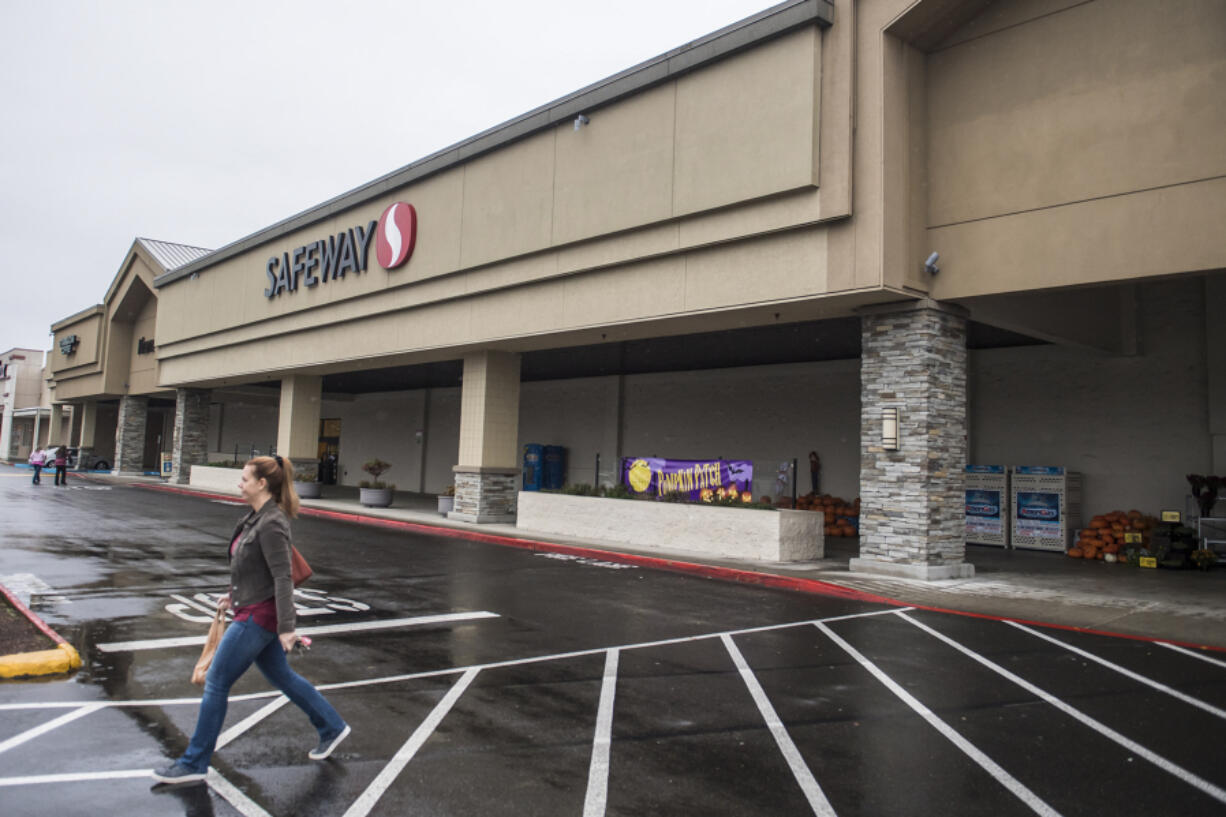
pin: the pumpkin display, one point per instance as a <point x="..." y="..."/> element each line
<point x="1104" y="536"/>
<point x="839" y="517"/>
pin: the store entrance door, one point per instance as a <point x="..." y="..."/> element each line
<point x="329" y="450"/>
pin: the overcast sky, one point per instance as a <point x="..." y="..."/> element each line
<point x="200" y="123"/>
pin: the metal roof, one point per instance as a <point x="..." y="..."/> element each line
<point x="171" y="256"/>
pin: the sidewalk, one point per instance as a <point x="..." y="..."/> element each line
<point x="1184" y="606"/>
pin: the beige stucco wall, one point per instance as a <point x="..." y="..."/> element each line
<point x="1071" y="143"/>
<point x="697" y="196"/>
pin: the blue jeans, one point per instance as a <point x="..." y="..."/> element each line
<point x="38" y="472"/>
<point x="246" y="642"/>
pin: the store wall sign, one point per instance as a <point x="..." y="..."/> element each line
<point x="69" y="344"/>
<point x="396" y="236"/>
<point x="320" y="261"/>
<point x="144" y="347"/>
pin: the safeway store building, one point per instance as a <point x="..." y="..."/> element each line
<point x="727" y="252"/>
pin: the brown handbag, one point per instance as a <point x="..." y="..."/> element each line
<point x="299" y="570"/>
<point x="216" y="630"/>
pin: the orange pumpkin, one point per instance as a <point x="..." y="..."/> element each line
<point x="1076" y="553"/>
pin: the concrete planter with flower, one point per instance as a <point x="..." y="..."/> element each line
<point x="446" y="500"/>
<point x="376" y="493"/>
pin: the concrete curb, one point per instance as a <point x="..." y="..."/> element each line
<point x="64" y="658"/>
<point x="718" y="572"/>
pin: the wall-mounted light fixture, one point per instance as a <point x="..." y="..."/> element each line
<point x="930" y="264"/>
<point x="889" y="429"/>
<point x="581" y="120"/>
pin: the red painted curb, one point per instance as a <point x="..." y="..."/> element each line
<point x="772" y="580"/>
<point x="32" y="616"/>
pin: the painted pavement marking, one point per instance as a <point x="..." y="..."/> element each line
<point x="50" y="725"/>
<point x="804" y="775"/>
<point x="1141" y="679"/>
<point x="595" y="801"/>
<point x="231" y="794"/>
<point x="236" y="731"/>
<point x="74" y="777"/>
<point x="1153" y="757"/>
<point x="1019" y="789"/>
<point x="367" y="799"/>
<point x="1192" y="653"/>
<point x="413" y="676"/>
<point x="327" y="629"/>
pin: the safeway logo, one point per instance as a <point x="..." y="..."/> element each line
<point x="396" y="235"/>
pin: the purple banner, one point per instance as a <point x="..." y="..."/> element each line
<point x="703" y="480"/>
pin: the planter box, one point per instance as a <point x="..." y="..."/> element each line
<point x="211" y="478"/>
<point x="446" y="504"/>
<point x="375" y="497"/>
<point x="733" y="533"/>
<point x="307" y="490"/>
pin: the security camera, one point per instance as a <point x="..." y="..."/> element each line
<point x="580" y="121"/>
<point x="930" y="265"/>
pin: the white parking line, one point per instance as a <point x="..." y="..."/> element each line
<point x="1141" y="679"/>
<point x="236" y="731"/>
<point x="595" y="801"/>
<point x="326" y="629"/>
<point x="1191" y="653"/>
<point x="74" y="777"/>
<point x="1035" y="803"/>
<point x="42" y="729"/>
<point x="1178" y="771"/>
<point x="231" y="794"/>
<point x="366" y="801"/>
<point x="804" y="775"/>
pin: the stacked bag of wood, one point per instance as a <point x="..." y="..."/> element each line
<point x="1104" y="538"/>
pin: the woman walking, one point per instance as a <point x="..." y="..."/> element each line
<point x="261" y="593"/>
<point x="36" y="462"/>
<point x="61" y="465"/>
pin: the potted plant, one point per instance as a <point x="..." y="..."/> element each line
<point x="306" y="486"/>
<point x="376" y="493"/>
<point x="446" y="500"/>
<point x="1204" y="558"/>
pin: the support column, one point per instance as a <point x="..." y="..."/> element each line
<point x="6" y="431"/>
<point x="190" y="445"/>
<point x="486" y="476"/>
<point x="38" y="424"/>
<point x="298" y="426"/>
<point x="89" y="422"/>
<point x="912" y="516"/>
<point x="55" y="426"/>
<point x="130" y="434"/>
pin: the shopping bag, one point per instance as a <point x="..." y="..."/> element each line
<point x="216" y="629"/>
<point x="299" y="570"/>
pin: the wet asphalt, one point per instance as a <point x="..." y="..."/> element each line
<point x="563" y="686"/>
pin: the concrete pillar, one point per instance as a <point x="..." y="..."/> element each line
<point x="130" y="434"/>
<point x="6" y="431"/>
<point x="190" y="445"/>
<point x="55" y="427"/>
<point x="486" y="478"/>
<point x="298" y="425"/>
<point x="88" y="431"/>
<point x="38" y="426"/>
<point x="912" y="514"/>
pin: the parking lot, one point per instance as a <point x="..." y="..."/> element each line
<point x="488" y="680"/>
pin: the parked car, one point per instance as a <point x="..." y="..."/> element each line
<point x="93" y="462"/>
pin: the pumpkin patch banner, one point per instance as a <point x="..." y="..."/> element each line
<point x="703" y="480"/>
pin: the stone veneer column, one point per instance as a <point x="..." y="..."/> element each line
<point x="912" y="512"/>
<point x="486" y="485"/>
<point x="190" y="446"/>
<point x="130" y="434"/>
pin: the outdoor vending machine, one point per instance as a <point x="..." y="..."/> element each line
<point x="1046" y="507"/>
<point x="987" y="505"/>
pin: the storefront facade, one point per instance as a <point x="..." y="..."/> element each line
<point x="726" y="252"/>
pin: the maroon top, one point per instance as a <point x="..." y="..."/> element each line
<point x="263" y="613"/>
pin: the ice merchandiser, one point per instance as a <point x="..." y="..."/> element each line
<point x="1046" y="506"/>
<point x="987" y="505"/>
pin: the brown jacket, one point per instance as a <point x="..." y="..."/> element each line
<point x="260" y="564"/>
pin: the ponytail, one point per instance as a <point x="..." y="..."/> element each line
<point x="278" y="472"/>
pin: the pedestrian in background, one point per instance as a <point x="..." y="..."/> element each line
<point x="261" y="594"/>
<point x="36" y="461"/>
<point x="61" y="465"/>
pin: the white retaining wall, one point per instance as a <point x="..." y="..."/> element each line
<point x="731" y="533"/>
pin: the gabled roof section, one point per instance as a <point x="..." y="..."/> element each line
<point x="170" y="255"/>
